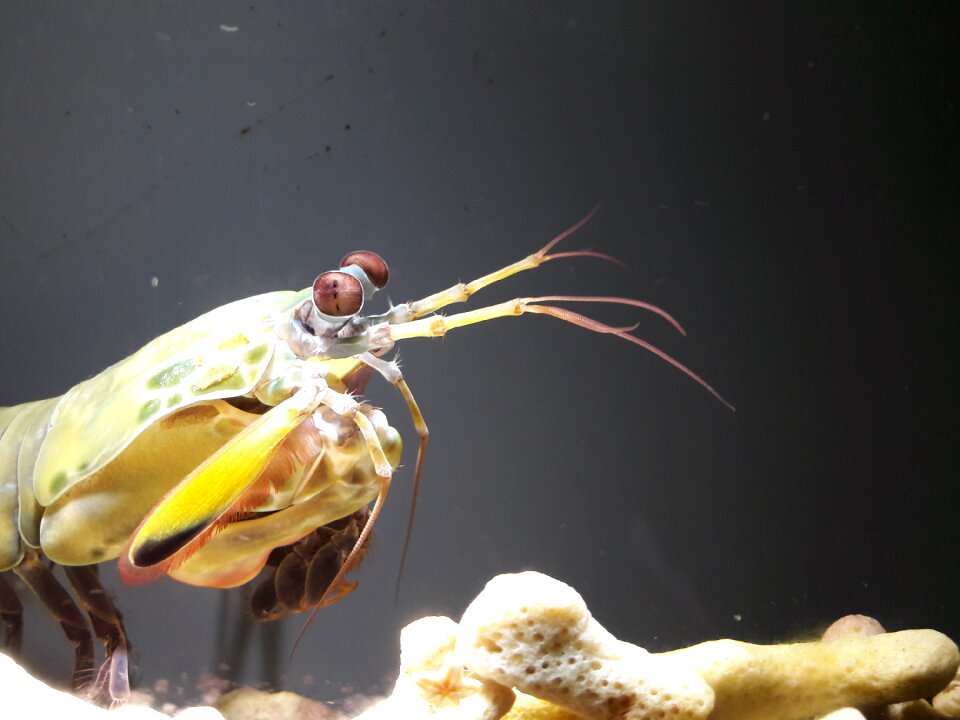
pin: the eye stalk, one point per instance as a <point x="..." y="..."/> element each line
<point x="337" y="294"/>
<point x="372" y="265"/>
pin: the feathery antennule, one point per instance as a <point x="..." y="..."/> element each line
<point x="597" y="326"/>
<point x="585" y="253"/>
<point x="542" y="252"/>
<point x="615" y="300"/>
<point x="545" y="255"/>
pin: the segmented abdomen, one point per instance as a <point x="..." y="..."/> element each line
<point x="22" y="432"/>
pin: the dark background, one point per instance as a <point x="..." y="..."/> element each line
<point x="780" y="176"/>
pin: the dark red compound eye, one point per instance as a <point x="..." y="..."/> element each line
<point x="338" y="294"/>
<point x="372" y="264"/>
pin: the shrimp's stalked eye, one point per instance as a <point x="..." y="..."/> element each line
<point x="372" y="264"/>
<point x="337" y="294"/>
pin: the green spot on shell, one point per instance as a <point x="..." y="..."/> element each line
<point x="255" y="355"/>
<point x="58" y="483"/>
<point x="149" y="408"/>
<point x="174" y="400"/>
<point x="171" y="376"/>
<point x="83" y="466"/>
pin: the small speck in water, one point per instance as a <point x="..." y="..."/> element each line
<point x="230" y="28"/>
<point x="737" y="617"/>
<point x="154" y="281"/>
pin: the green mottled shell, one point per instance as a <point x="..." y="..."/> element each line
<point x="220" y="354"/>
<point x="22" y="431"/>
<point x="10" y="436"/>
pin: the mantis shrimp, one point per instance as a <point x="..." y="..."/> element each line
<point x="237" y="439"/>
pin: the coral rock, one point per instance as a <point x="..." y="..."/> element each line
<point x="535" y="633"/>
<point x="803" y="679"/>
<point x="433" y="684"/>
<point x="528" y="707"/>
<point x="947" y="701"/>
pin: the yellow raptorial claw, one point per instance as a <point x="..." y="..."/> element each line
<point x="186" y="516"/>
